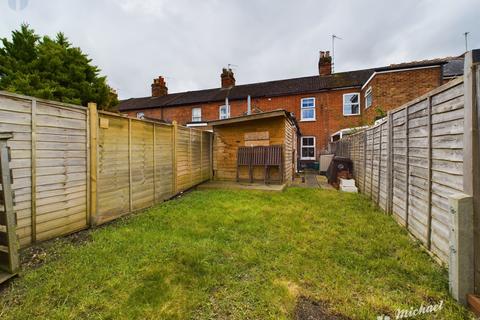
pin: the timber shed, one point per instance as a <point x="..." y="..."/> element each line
<point x="259" y="147"/>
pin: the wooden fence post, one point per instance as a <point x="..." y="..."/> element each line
<point x="154" y="165"/>
<point x="211" y="154"/>
<point x="365" y="161"/>
<point x="380" y="165"/>
<point x="93" y="119"/>
<point x="371" y="159"/>
<point x="190" y="153"/>
<point x="174" y="155"/>
<point x="429" y="172"/>
<point x="130" y="186"/>
<point x="471" y="148"/>
<point x="201" y="156"/>
<point x="34" y="172"/>
<point x="407" y="167"/>
<point x="390" y="164"/>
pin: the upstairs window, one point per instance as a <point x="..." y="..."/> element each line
<point x="307" y="106"/>
<point x="368" y="98"/>
<point x="308" y="148"/>
<point x="224" y="112"/>
<point x="351" y="104"/>
<point x="196" y="114"/>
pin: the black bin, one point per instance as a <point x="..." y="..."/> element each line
<point x="338" y="164"/>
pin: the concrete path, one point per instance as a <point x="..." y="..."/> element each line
<point x="307" y="179"/>
<point x="311" y="179"/>
<point x="240" y="186"/>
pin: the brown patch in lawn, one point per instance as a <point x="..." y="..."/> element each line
<point x="36" y="255"/>
<point x="307" y="309"/>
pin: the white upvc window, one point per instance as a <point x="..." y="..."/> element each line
<point x="368" y="98"/>
<point x="307" y="148"/>
<point x="224" y="112"/>
<point x="307" y="109"/>
<point x="196" y="114"/>
<point x="351" y="104"/>
<point x="140" y="115"/>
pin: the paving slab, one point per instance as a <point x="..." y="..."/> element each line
<point x="240" y="186"/>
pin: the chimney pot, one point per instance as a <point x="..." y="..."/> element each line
<point x="159" y="87"/>
<point x="325" y="63"/>
<point x="228" y="78"/>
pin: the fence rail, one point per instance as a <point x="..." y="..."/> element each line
<point x="74" y="167"/>
<point x="418" y="157"/>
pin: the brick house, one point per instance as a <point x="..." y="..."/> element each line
<point x="323" y="104"/>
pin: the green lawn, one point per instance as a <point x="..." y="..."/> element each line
<point x="236" y="255"/>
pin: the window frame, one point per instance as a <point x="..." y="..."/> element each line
<point x="314" y="146"/>
<point x="193" y="114"/>
<point x="343" y="105"/>
<point x="307" y="108"/>
<point x="368" y="93"/>
<point x="227" y="111"/>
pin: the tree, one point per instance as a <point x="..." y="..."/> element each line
<point x="51" y="69"/>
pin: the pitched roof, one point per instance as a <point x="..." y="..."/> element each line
<point x="255" y="90"/>
<point x="452" y="67"/>
<point x="256" y="116"/>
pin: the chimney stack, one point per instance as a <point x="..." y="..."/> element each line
<point x="325" y="63"/>
<point x="159" y="87"/>
<point x="228" y="79"/>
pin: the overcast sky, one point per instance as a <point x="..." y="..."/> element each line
<point x="188" y="42"/>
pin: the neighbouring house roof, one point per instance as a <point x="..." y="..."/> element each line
<point x="255" y="90"/>
<point x="257" y="116"/>
<point x="357" y="78"/>
<point x="453" y="68"/>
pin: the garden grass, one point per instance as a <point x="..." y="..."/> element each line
<point x="236" y="255"/>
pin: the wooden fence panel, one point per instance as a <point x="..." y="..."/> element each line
<point x="163" y="162"/>
<point x="447" y="167"/>
<point x="113" y="186"/>
<point x="73" y="166"/>
<point x="196" y="157"/>
<point x="141" y="163"/>
<point x="61" y="171"/>
<point x="412" y="162"/>
<point x="49" y="165"/>
<point x="184" y="179"/>
<point x="399" y="170"/>
<point x="383" y="167"/>
<point x="375" y="178"/>
<point x="418" y="170"/>
<point x="206" y="156"/>
<point x="15" y="117"/>
<point x="368" y="162"/>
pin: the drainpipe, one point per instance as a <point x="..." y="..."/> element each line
<point x="249" y="105"/>
<point x="228" y="107"/>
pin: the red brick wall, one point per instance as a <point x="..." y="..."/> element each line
<point x="393" y="89"/>
<point x="328" y="113"/>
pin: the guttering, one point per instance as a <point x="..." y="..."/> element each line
<point x="197" y="124"/>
